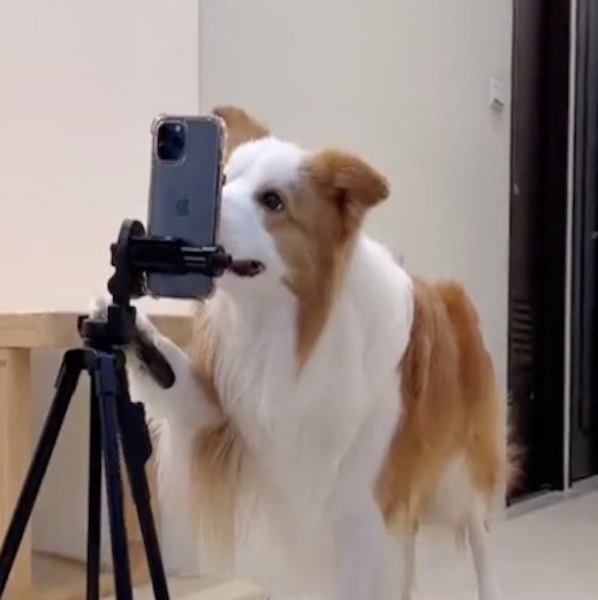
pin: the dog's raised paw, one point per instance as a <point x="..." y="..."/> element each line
<point x="98" y="307"/>
<point x="144" y="325"/>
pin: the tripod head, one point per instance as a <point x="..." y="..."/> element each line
<point x="132" y="256"/>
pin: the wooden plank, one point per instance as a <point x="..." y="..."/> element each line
<point x="15" y="451"/>
<point x="59" y="329"/>
<point x="57" y="578"/>
<point x="60" y="579"/>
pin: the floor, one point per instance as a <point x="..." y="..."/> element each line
<point x="548" y="553"/>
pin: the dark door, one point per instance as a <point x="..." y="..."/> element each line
<point x="537" y="237"/>
<point x="584" y="401"/>
<point x="525" y="197"/>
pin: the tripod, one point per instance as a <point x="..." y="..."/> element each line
<point x="116" y="423"/>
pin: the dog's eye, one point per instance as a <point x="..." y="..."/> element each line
<point x="271" y="201"/>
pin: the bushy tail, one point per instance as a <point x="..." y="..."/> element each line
<point x="515" y="452"/>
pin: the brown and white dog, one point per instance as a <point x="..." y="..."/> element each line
<point x="329" y="405"/>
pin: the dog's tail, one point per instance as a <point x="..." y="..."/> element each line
<point x="515" y="451"/>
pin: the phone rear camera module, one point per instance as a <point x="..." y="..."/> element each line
<point x="170" y="142"/>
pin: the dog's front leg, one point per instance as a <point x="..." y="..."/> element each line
<point x="363" y="554"/>
<point x="161" y="377"/>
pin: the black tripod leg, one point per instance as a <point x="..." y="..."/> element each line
<point x="137" y="450"/>
<point x="72" y="365"/>
<point x="106" y="387"/>
<point x="94" y="499"/>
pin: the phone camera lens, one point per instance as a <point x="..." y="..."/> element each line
<point x="170" y="142"/>
<point x="178" y="141"/>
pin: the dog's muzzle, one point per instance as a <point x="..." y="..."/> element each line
<point x="247" y="268"/>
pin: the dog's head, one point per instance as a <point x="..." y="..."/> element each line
<point x="296" y="212"/>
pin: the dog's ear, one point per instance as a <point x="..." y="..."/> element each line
<point x="240" y="127"/>
<point x="348" y="181"/>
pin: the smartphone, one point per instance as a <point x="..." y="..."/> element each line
<point x="185" y="190"/>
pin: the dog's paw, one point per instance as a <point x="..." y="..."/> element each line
<point x="145" y="327"/>
<point x="97" y="310"/>
<point x="98" y="307"/>
<point x="144" y="352"/>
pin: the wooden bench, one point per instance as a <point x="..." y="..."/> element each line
<point x="20" y="334"/>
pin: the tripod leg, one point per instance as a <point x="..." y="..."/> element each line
<point x="72" y="365"/>
<point x="94" y="499"/>
<point x="137" y="450"/>
<point x="106" y="388"/>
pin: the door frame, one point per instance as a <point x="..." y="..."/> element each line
<point x="547" y="445"/>
<point x="560" y="51"/>
<point x="584" y="182"/>
<point x="568" y="360"/>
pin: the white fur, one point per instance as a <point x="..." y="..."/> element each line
<point x="307" y="525"/>
<point x="253" y="168"/>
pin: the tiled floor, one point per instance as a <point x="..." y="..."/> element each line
<point x="549" y="553"/>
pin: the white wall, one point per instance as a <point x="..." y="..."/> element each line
<point x="403" y="82"/>
<point x="406" y="83"/>
<point x="80" y="83"/>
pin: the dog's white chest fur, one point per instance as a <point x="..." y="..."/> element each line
<point x="312" y="418"/>
<point x="316" y="439"/>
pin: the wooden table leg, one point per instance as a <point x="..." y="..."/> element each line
<point x="16" y="408"/>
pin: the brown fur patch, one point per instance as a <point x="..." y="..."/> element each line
<point x="451" y="406"/>
<point x="516" y="456"/>
<point x="219" y="455"/>
<point x="350" y="184"/>
<point x="315" y="233"/>
<point x="240" y="127"/>
<point x="202" y="352"/>
<point x="218" y="451"/>
<point x="306" y="236"/>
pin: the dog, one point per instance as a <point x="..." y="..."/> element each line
<point x="330" y="404"/>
